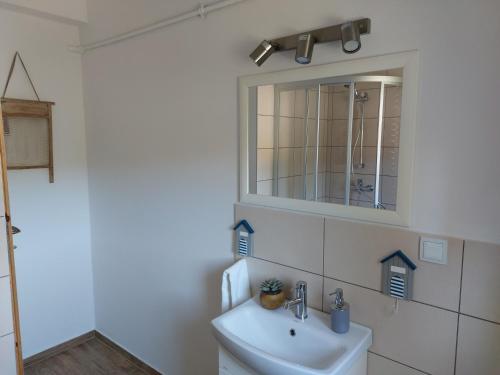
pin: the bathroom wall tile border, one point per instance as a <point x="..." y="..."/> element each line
<point x="458" y="311"/>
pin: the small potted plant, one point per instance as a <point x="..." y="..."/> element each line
<point x="271" y="294"/>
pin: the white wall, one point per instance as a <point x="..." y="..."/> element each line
<point x="162" y="143"/>
<point x="53" y="257"/>
<point x="68" y="10"/>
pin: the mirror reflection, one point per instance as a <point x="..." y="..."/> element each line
<point x="333" y="140"/>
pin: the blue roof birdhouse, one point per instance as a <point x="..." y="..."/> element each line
<point x="244" y="234"/>
<point x="397" y="275"/>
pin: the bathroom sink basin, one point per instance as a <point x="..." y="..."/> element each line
<point x="277" y="343"/>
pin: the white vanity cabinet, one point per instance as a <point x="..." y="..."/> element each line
<point x="229" y="365"/>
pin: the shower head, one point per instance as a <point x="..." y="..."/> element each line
<point x="360" y="96"/>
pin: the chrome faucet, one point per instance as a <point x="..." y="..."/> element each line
<point x="300" y="301"/>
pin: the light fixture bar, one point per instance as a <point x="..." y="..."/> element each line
<point x="323" y="35"/>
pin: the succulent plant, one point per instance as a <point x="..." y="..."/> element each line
<point x="271" y="286"/>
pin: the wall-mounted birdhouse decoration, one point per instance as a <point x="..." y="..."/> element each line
<point x="27" y="128"/>
<point x="397" y="275"/>
<point x="244" y="234"/>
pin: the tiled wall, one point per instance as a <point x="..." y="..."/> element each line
<point x="452" y="325"/>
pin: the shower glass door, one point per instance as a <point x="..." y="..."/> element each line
<point x="333" y="141"/>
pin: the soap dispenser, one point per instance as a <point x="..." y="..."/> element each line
<point x="340" y="313"/>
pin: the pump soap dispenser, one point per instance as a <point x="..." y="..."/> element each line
<point x="340" y="313"/>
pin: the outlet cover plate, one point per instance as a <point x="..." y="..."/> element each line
<point x="434" y="250"/>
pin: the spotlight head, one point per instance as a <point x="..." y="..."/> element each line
<point x="305" y="44"/>
<point x="351" y="41"/>
<point x="262" y="52"/>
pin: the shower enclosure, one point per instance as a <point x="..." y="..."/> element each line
<point x="330" y="140"/>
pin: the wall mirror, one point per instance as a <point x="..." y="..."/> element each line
<point x="334" y="139"/>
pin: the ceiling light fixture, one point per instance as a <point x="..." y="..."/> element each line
<point x="349" y="33"/>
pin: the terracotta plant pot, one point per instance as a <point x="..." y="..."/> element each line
<point x="272" y="301"/>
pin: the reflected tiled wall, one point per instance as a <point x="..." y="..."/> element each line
<point x="296" y="155"/>
<point x="339" y="99"/>
<point x="452" y="325"/>
<point x="291" y="153"/>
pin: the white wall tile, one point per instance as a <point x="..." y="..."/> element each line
<point x="478" y="350"/>
<point x="264" y="164"/>
<point x="284" y="237"/>
<point x="392" y="105"/>
<point x="265" y="187"/>
<point x="285" y="162"/>
<point x="312" y="104"/>
<point x="339" y="159"/>
<point x="390" y="136"/>
<point x="389" y="189"/>
<point x="285" y="187"/>
<point x="299" y="132"/>
<point x="324" y="101"/>
<point x="481" y="281"/>
<point x="312" y="132"/>
<point x="300" y="104"/>
<point x="390" y="159"/>
<point x="286" y="132"/>
<point x="353" y="252"/>
<point x="340" y="133"/>
<point x="322" y="160"/>
<point x="418" y="335"/>
<point x="338" y="185"/>
<point x="260" y="270"/>
<point x="287" y="103"/>
<point x="340" y="105"/>
<point x="6" y="322"/>
<point x="298" y="187"/>
<point x="378" y="365"/>
<point x="265" y="131"/>
<point x="265" y="100"/>
<point x="298" y="161"/>
<point x="323" y="133"/>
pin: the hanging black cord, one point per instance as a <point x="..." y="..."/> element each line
<point x="17" y="55"/>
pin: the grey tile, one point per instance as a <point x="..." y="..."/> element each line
<point x="481" y="281"/>
<point x="478" y="350"/>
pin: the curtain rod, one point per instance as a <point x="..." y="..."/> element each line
<point x="201" y="11"/>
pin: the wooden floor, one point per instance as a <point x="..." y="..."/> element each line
<point x="93" y="357"/>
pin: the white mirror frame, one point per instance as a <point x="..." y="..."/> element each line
<point x="406" y="60"/>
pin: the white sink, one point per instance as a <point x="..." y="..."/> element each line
<point x="276" y="343"/>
